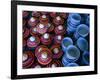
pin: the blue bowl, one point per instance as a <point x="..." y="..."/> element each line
<point x="72" y="53"/>
<point x="82" y="43"/>
<point x="68" y="64"/>
<point x="88" y="20"/>
<point x="64" y="61"/>
<point x="74" y="18"/>
<point x="81" y="31"/>
<point x="66" y="42"/>
<point x="85" y="58"/>
<point x="71" y="29"/>
<point x="72" y="22"/>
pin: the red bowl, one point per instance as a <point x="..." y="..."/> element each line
<point x="55" y="63"/>
<point x="32" y="22"/>
<point x="60" y="29"/>
<point x="53" y="14"/>
<point x="44" y="57"/>
<point x="44" y="19"/>
<point x="41" y="28"/>
<point x="50" y="27"/>
<point x="25" y="14"/>
<point x="39" y="49"/>
<point x="58" y="39"/>
<point x="28" y="59"/>
<point x="57" y="52"/>
<point x="25" y="32"/>
<point x="33" y="31"/>
<point x="36" y="14"/>
<point x="33" y="41"/>
<point x="63" y="15"/>
<point x="58" y="20"/>
<point x="46" y="39"/>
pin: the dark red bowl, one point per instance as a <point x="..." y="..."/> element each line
<point x="44" y="57"/>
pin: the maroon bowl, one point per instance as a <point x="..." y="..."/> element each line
<point x="58" y="20"/>
<point x="24" y="22"/>
<point x="50" y="27"/>
<point x="36" y="65"/>
<point x="36" y="14"/>
<point x="46" y="39"/>
<point x="39" y="49"/>
<point x="33" y="41"/>
<point x="58" y="39"/>
<point x="44" y="19"/>
<point x="25" y="32"/>
<point x="60" y="29"/>
<point x="24" y="42"/>
<point x="41" y="28"/>
<point x="63" y="15"/>
<point x="25" y="14"/>
<point x="57" y="52"/>
<point x="53" y="14"/>
<point x="55" y="63"/>
<point x="32" y="22"/>
<point x="44" y="57"/>
<point x="28" y="59"/>
<point x="33" y="31"/>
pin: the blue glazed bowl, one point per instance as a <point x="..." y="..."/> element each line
<point x="66" y="42"/>
<point x="88" y="20"/>
<point x="64" y="61"/>
<point x="71" y="29"/>
<point x="81" y="31"/>
<point x="85" y="58"/>
<point x="82" y="43"/>
<point x="72" y="22"/>
<point x="74" y="18"/>
<point x="72" y="53"/>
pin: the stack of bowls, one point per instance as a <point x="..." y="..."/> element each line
<point x="46" y="44"/>
<point x="66" y="42"/>
<point x="85" y="58"/>
<point x="71" y="55"/>
<point x="73" y="20"/>
<point x="81" y="31"/>
<point x="82" y="43"/>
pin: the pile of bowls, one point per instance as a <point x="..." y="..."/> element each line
<point x="73" y="20"/>
<point x="54" y="39"/>
<point x="42" y="36"/>
<point x="76" y="45"/>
